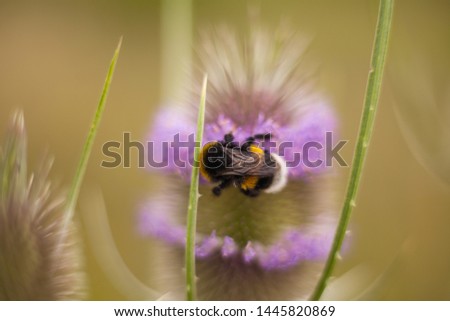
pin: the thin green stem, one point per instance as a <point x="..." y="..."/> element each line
<point x="87" y="148"/>
<point x="365" y="132"/>
<point x="191" y="293"/>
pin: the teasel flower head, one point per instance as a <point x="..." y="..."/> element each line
<point x="269" y="247"/>
<point x="34" y="263"/>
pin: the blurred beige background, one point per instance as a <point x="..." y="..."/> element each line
<point x="54" y="57"/>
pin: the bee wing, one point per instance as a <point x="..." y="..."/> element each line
<point x="242" y="163"/>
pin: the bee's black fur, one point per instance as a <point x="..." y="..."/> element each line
<point x="228" y="163"/>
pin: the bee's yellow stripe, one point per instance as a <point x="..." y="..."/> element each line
<point x="255" y="149"/>
<point x="249" y="182"/>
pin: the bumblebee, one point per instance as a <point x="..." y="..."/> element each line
<point x="247" y="166"/>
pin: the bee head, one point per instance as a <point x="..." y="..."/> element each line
<point x="212" y="160"/>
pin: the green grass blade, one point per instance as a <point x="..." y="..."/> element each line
<point x="193" y="202"/>
<point x="87" y="148"/>
<point x="365" y="132"/>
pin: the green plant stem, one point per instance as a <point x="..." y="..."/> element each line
<point x="365" y="131"/>
<point x="74" y="191"/>
<point x="191" y="292"/>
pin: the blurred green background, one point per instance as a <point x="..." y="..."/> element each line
<point x="54" y="57"/>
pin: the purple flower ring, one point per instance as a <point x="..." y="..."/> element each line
<point x="269" y="247"/>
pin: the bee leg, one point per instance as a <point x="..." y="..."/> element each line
<point x="264" y="138"/>
<point x="228" y="138"/>
<point x="248" y="142"/>
<point x="228" y="141"/>
<point x="217" y="190"/>
<point x="251" y="140"/>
